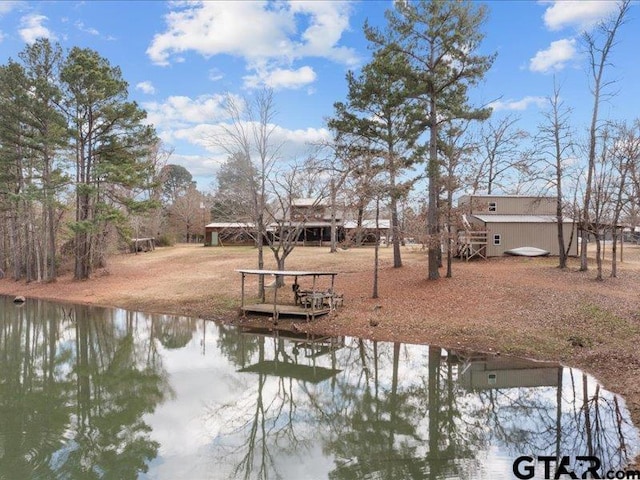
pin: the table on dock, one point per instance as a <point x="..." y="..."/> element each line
<point x="315" y="306"/>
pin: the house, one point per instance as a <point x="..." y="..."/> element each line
<point x="497" y="223"/>
<point x="313" y="218"/>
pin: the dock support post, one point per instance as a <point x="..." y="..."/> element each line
<point x="244" y="312"/>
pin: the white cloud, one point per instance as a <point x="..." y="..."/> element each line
<point x="293" y="143"/>
<point x="215" y="75"/>
<point x="146" y="87"/>
<point x="580" y="14"/>
<point x="269" y="36"/>
<point x="32" y="28"/>
<point x="83" y="28"/>
<point x="181" y="111"/>
<point x="555" y="57"/>
<point x="327" y="22"/>
<point x="6" y="7"/>
<point x="282" y="78"/>
<point x="198" y="165"/>
<point x="245" y="29"/>
<point x="518" y="105"/>
<point x="194" y="123"/>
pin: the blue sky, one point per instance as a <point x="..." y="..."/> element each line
<point x="181" y="58"/>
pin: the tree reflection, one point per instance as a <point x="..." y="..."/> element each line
<point x="33" y="392"/>
<point x="77" y="394"/>
<point x="74" y="391"/>
<point x="173" y="332"/>
<point x="233" y="345"/>
<point x="392" y="413"/>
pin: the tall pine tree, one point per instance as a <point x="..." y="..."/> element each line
<point x="111" y="145"/>
<point x="439" y="42"/>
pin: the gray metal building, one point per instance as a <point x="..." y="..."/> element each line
<point x="513" y="221"/>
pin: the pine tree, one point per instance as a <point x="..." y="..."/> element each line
<point x="381" y="121"/>
<point x="438" y="41"/>
<point x="112" y="146"/>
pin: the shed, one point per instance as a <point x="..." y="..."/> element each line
<point x="505" y="232"/>
<point x="229" y="233"/>
<point x="498" y="223"/>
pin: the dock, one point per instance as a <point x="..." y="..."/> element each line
<point x="292" y="310"/>
<point x="308" y="303"/>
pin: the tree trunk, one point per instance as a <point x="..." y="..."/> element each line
<point x="614" y="253"/>
<point x="376" y="252"/>
<point x="561" y="249"/>
<point x="395" y="229"/>
<point x="432" y="209"/>
<point x="334" y="240"/>
<point x="359" y="236"/>
<point x="598" y="256"/>
<point x="260" y="245"/>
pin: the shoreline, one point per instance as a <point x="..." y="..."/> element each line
<point x="512" y="306"/>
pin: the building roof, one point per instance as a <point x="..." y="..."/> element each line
<point x="230" y="225"/>
<point x="496" y="218"/>
<point x="383" y="224"/>
<point x="307" y="202"/>
<point x="314" y="224"/>
<point x="485" y="195"/>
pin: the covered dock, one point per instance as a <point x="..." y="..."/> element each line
<point x="308" y="303"/>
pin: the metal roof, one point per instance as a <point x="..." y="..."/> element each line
<point x="383" y="224"/>
<point x="493" y="218"/>
<point x="230" y="225"/>
<point x="308" y="202"/>
<point x="289" y="273"/>
<point x="486" y="195"/>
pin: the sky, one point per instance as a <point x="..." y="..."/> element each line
<point x="181" y="59"/>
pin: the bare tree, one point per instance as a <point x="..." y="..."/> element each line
<point x="285" y="222"/>
<point x="601" y="195"/>
<point x="626" y="154"/>
<point x="187" y="213"/>
<point x="554" y="140"/>
<point x="333" y="161"/>
<point x="250" y="137"/>
<point x="501" y="154"/>
<point x="456" y="149"/>
<point x="598" y="45"/>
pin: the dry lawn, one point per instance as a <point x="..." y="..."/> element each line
<point x="518" y="306"/>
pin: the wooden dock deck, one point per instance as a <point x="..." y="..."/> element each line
<point x="311" y="304"/>
<point x="291" y="310"/>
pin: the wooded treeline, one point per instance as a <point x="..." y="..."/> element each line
<point x="80" y="168"/>
<point x="76" y="161"/>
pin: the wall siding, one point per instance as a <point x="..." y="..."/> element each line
<point x="507" y="205"/>
<point x="540" y="235"/>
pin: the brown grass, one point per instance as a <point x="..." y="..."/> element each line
<point x="510" y="305"/>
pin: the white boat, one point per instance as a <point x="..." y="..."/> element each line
<point x="527" y="252"/>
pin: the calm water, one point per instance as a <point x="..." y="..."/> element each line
<point x="105" y="393"/>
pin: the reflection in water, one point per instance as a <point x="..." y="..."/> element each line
<point x="93" y="393"/>
<point x="74" y="386"/>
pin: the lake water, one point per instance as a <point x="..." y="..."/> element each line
<point x="105" y="393"/>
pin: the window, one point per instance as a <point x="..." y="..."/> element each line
<point x="497" y="239"/>
<point x="492" y="206"/>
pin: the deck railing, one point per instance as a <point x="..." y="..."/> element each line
<point x="472" y="243"/>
